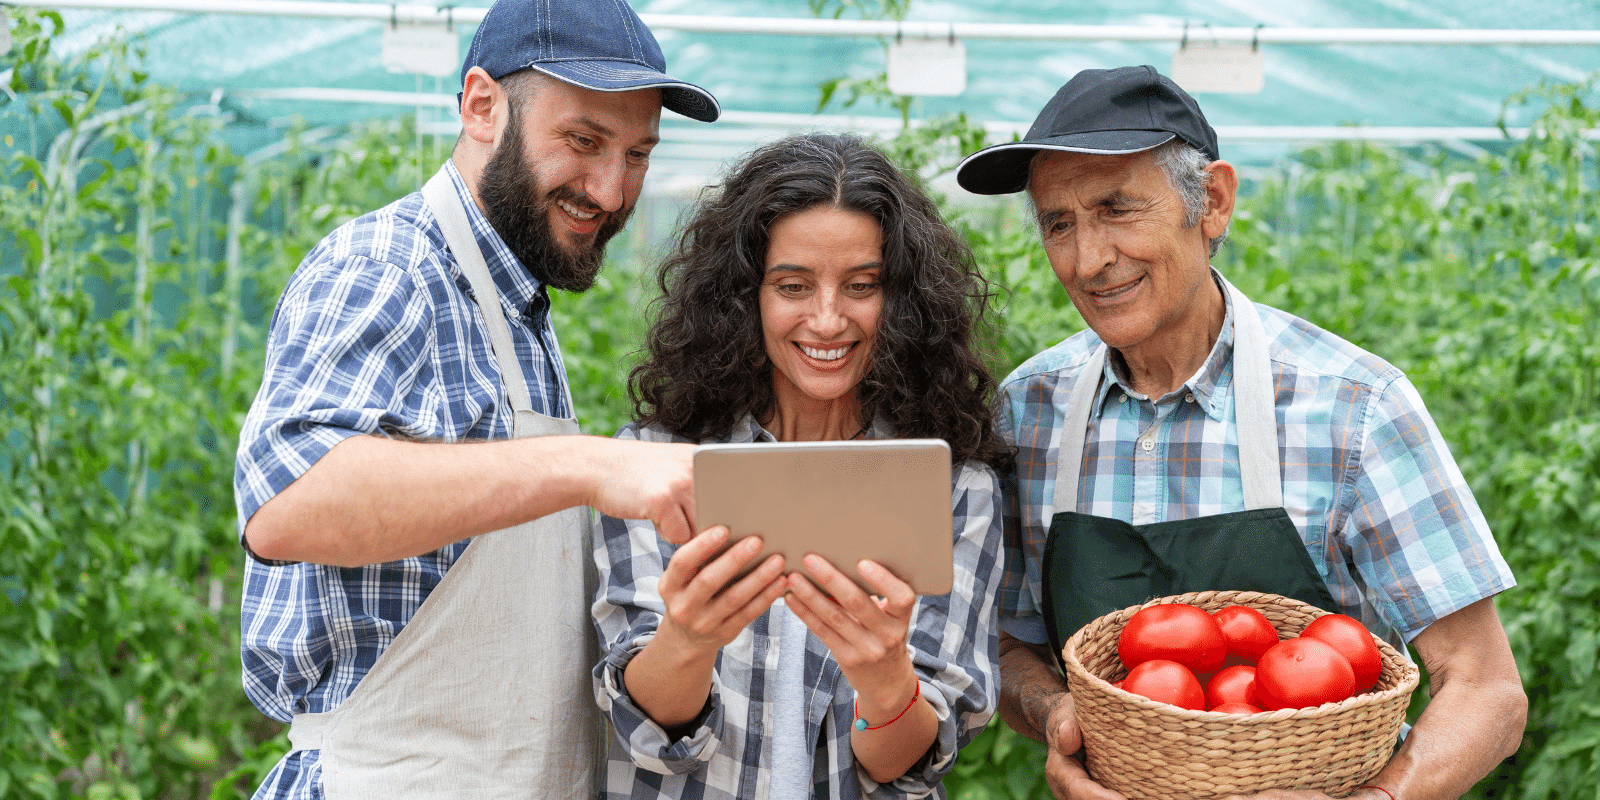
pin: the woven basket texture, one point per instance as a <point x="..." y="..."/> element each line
<point x="1156" y="751"/>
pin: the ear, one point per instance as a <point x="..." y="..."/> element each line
<point x="483" y="108"/>
<point x="1222" y="189"/>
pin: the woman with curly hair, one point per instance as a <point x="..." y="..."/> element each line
<point x="815" y="295"/>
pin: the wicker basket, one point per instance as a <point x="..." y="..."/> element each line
<point x="1155" y="751"/>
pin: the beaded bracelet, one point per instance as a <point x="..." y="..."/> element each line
<point x="861" y="724"/>
<point x="1381" y="789"/>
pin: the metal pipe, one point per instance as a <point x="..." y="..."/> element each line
<point x="805" y="26"/>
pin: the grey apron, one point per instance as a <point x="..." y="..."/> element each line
<point x="486" y="691"/>
<point x="1096" y="565"/>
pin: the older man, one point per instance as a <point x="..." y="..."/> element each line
<point x="1192" y="440"/>
<point x="409" y="480"/>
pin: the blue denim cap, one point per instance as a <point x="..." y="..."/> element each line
<point x="1100" y="112"/>
<point x="596" y="44"/>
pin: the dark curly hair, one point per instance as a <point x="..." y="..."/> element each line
<point x="706" y="364"/>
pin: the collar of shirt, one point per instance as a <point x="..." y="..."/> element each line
<point x="1209" y="384"/>
<point x="520" y="292"/>
<point x="750" y="430"/>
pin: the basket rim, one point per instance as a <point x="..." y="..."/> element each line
<point x="1408" y="679"/>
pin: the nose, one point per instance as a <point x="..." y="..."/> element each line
<point x="606" y="183"/>
<point x="1095" y="250"/>
<point x="829" y="320"/>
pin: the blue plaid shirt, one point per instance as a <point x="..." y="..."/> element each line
<point x="728" y="757"/>
<point x="1367" y="480"/>
<point x="376" y="332"/>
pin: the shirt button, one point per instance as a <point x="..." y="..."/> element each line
<point x="1188" y="398"/>
<point x="1148" y="444"/>
<point x="1122" y="398"/>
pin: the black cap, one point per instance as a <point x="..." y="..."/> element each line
<point x="1099" y="111"/>
<point x="597" y="44"/>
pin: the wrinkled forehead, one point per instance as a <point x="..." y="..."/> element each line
<point x="1056" y="176"/>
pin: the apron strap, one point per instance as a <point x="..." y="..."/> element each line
<point x="1254" y="417"/>
<point x="1069" y="453"/>
<point x="442" y="198"/>
<point x="1253" y="406"/>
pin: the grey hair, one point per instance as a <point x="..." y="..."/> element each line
<point x="1185" y="168"/>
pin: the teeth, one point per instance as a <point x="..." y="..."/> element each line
<point x="825" y="355"/>
<point x="574" y="211"/>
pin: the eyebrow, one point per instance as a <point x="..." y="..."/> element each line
<point x="1115" y="197"/>
<point x="787" y="268"/>
<point x="594" y="124"/>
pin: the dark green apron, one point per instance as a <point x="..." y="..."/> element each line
<point x="1096" y="565"/>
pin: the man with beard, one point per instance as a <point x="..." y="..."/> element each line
<point x="410" y="483"/>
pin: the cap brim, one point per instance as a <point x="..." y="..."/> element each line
<point x="1003" y="168"/>
<point x="624" y="76"/>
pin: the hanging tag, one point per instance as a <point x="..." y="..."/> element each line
<point x="425" y="48"/>
<point x="927" y="67"/>
<point x="1214" y="67"/>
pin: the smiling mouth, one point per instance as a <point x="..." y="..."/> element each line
<point x="1113" y="294"/>
<point x="576" y="212"/>
<point x="830" y="354"/>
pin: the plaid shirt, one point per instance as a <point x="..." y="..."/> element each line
<point x="728" y="757"/>
<point x="377" y="331"/>
<point x="1367" y="480"/>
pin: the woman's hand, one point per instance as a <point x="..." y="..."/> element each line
<point x="670" y="679"/>
<point x="703" y="610"/>
<point x="867" y="636"/>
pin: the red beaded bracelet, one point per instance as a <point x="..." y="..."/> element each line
<point x="861" y="724"/>
<point x="1381" y="789"/>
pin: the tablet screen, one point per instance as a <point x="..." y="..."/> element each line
<point x="887" y="500"/>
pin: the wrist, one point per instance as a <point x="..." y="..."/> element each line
<point x="883" y="699"/>
<point x="874" y="721"/>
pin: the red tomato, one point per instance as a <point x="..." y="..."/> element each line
<point x="1248" y="631"/>
<point x="1235" y="684"/>
<point x="1351" y="639"/>
<point x="1301" y="673"/>
<point x="1166" y="682"/>
<point x="1175" y="632"/>
<point x="1237" y="708"/>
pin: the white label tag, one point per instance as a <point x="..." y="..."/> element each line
<point x="5" y="34"/>
<point x="927" y="67"/>
<point x="1231" y="68"/>
<point x="423" y="48"/>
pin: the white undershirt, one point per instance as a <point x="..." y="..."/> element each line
<point x="791" y="754"/>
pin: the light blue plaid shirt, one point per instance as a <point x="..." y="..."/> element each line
<point x="728" y="757"/>
<point x="1369" y="483"/>
<point x="377" y="331"/>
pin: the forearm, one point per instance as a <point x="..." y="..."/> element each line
<point x="1031" y="688"/>
<point x="1465" y="731"/>
<point x="1475" y="717"/>
<point x="669" y="685"/>
<point x="887" y="752"/>
<point x="371" y="499"/>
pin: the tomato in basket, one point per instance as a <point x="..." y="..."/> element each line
<point x="1351" y="639"/>
<point x="1235" y="684"/>
<point x="1301" y="673"/>
<point x="1173" y="632"/>
<point x="1237" y="708"/>
<point x="1166" y="682"/>
<point x="1248" y="632"/>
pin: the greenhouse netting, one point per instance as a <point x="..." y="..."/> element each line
<point x="1420" y="179"/>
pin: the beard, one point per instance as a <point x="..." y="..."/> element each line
<point x="519" y="209"/>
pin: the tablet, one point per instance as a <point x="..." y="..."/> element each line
<point x="885" y="499"/>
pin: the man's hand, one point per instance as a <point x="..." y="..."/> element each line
<point x="1035" y="702"/>
<point x="1062" y="770"/>
<point x="645" y="480"/>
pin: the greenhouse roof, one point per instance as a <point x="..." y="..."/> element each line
<point x="1406" y="71"/>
